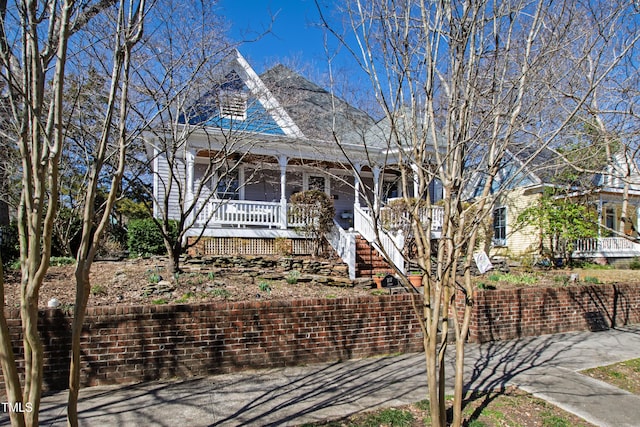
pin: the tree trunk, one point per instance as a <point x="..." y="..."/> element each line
<point x="8" y="362"/>
<point x="83" y="288"/>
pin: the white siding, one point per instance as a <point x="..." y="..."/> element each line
<point x="175" y="189"/>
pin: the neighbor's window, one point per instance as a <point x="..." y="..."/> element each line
<point x="610" y="219"/>
<point x="500" y="226"/>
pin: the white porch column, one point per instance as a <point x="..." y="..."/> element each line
<point x="282" y="161"/>
<point x="376" y="188"/>
<point x="356" y="184"/>
<point x="416" y="186"/>
<point x="190" y="161"/>
<point x="599" y="216"/>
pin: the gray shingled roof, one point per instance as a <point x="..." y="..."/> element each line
<point x="312" y="107"/>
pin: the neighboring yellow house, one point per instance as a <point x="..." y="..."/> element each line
<point x="509" y="238"/>
<point x="616" y="239"/>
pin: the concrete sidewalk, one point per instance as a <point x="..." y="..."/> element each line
<point x="545" y="366"/>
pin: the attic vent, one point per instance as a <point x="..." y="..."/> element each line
<point x="233" y="105"/>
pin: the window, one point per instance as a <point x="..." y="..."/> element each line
<point x="316" y="182"/>
<point x="233" y="105"/>
<point x="500" y="226"/>
<point x="610" y="218"/>
<point x="229" y="186"/>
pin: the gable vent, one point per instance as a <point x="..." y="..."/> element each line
<point x="233" y="105"/>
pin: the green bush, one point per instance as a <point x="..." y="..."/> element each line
<point x="9" y="243"/>
<point x="635" y="264"/>
<point x="57" y="261"/>
<point x="144" y="237"/>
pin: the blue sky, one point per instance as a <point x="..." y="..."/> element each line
<point x="296" y="40"/>
<point x="295" y="34"/>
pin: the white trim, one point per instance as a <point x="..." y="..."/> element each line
<point x="246" y="232"/>
<point x="499" y="242"/>
<point x="260" y="91"/>
<point x="156" y="182"/>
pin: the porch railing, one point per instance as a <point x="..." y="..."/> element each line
<point x="344" y="244"/>
<point x="392" y="244"/>
<point x="394" y="220"/>
<point x="606" y="244"/>
<point x="241" y="213"/>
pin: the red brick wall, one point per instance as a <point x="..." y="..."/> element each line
<point x="512" y="313"/>
<point x="136" y="343"/>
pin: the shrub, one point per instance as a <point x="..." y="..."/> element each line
<point x="635" y="264"/>
<point x="317" y="209"/>
<point x="9" y="243"/>
<point x="144" y="237"/>
<point x="57" y="261"/>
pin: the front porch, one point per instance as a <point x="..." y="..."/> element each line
<point x="260" y="220"/>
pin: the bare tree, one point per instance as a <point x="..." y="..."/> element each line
<point x="461" y="84"/>
<point x="127" y="23"/>
<point x="176" y="84"/>
<point x="35" y="39"/>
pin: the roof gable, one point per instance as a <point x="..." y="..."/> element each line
<point x="262" y="113"/>
<point x="621" y="168"/>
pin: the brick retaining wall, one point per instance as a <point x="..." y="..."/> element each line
<point x="512" y="313"/>
<point x="137" y="343"/>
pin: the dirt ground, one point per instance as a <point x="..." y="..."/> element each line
<point x="135" y="281"/>
<point x="144" y="281"/>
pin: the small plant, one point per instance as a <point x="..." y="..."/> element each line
<point x="154" y="278"/>
<point x="220" y="293"/>
<point x="378" y="292"/>
<point x="184" y="298"/>
<point x="521" y="279"/>
<point x="476" y="423"/>
<point x="563" y="280"/>
<point x="389" y="417"/>
<point x="98" y="290"/>
<point x="379" y="274"/>
<point x="592" y="280"/>
<point x="550" y="420"/>
<point x="264" y="286"/>
<point x="292" y="277"/>
<point x="211" y="275"/>
<point x="160" y="301"/>
<point x="57" y="261"/>
<point x="635" y="264"/>
<point x="486" y="286"/>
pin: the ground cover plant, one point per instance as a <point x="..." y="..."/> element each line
<point x="142" y="281"/>
<point x="136" y="281"/>
<point x="624" y="375"/>
<point x="511" y="407"/>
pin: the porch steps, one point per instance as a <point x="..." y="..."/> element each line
<point x="369" y="262"/>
